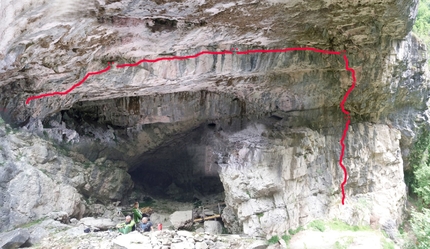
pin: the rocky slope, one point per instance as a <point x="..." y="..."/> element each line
<point x="38" y="180"/>
<point x="268" y="125"/>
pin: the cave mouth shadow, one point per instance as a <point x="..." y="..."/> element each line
<point x="185" y="169"/>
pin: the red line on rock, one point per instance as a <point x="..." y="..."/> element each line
<point x="70" y="89"/>
<point x="342" y="104"/>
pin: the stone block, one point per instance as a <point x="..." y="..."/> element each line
<point x="178" y="218"/>
<point x="213" y="227"/>
<point x="103" y="224"/>
<point x="201" y="245"/>
<point x="14" y="239"/>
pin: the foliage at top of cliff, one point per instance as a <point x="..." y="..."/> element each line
<point x="422" y="23"/>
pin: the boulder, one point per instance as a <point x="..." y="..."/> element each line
<point x="185" y="234"/>
<point x="101" y="223"/>
<point x="157" y="218"/>
<point x="213" y="227"/>
<point x="179" y="218"/>
<point x="201" y="245"/>
<point x="14" y="239"/>
<point x="133" y="240"/>
<point x="259" y="244"/>
<point x="208" y="212"/>
<point x="37" y="233"/>
<point x="181" y="245"/>
<point x="389" y="226"/>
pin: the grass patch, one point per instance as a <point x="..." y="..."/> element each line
<point x="317" y="225"/>
<point x="32" y="223"/>
<point x="344" y="243"/>
<point x="286" y="238"/>
<point x="295" y="231"/>
<point x="387" y="244"/>
<point x="273" y="240"/>
<point x="342" y="226"/>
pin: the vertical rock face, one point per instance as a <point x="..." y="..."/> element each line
<point x="293" y="177"/>
<point x="272" y="120"/>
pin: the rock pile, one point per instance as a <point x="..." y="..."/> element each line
<point x="166" y="239"/>
<point x="74" y="237"/>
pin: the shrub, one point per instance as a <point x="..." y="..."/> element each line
<point x="274" y="240"/>
<point x="297" y="230"/>
<point x="422" y="23"/>
<point x="422" y="178"/>
<point x="420" y="224"/>
<point x="318" y="225"/>
<point x="342" y="226"/>
<point x="286" y="238"/>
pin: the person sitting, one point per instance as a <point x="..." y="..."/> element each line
<point x="127" y="226"/>
<point x="146" y="225"/>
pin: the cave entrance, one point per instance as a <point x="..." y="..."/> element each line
<point x="183" y="169"/>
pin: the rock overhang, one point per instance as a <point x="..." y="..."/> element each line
<point x="55" y="51"/>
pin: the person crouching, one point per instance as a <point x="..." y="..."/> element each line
<point x="146" y="225"/>
<point x="127" y="226"/>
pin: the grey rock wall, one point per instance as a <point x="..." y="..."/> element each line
<point x="293" y="177"/>
<point x="37" y="178"/>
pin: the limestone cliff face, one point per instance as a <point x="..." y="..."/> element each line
<point x="38" y="178"/>
<point x="269" y="123"/>
<point x="276" y="184"/>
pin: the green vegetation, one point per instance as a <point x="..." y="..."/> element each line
<point x="295" y="231"/>
<point x="317" y="225"/>
<point x="336" y="225"/>
<point x="422" y="23"/>
<point x="273" y="240"/>
<point x="342" y="226"/>
<point x="418" y="181"/>
<point x="32" y="223"/>
<point x="420" y="223"/>
<point x="344" y="244"/>
<point x="286" y="238"/>
<point x="387" y="244"/>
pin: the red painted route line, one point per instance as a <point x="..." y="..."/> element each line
<point x="70" y="89"/>
<point x="342" y="104"/>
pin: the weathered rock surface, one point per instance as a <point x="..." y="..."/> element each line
<point x="277" y="184"/>
<point x="38" y="181"/>
<point x="179" y="218"/>
<point x="14" y="239"/>
<point x="132" y="240"/>
<point x="213" y="227"/>
<point x="100" y="223"/>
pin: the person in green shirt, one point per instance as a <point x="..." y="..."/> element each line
<point x="127" y="226"/>
<point x="137" y="214"/>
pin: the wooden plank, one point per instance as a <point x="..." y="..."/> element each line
<point x="208" y="218"/>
